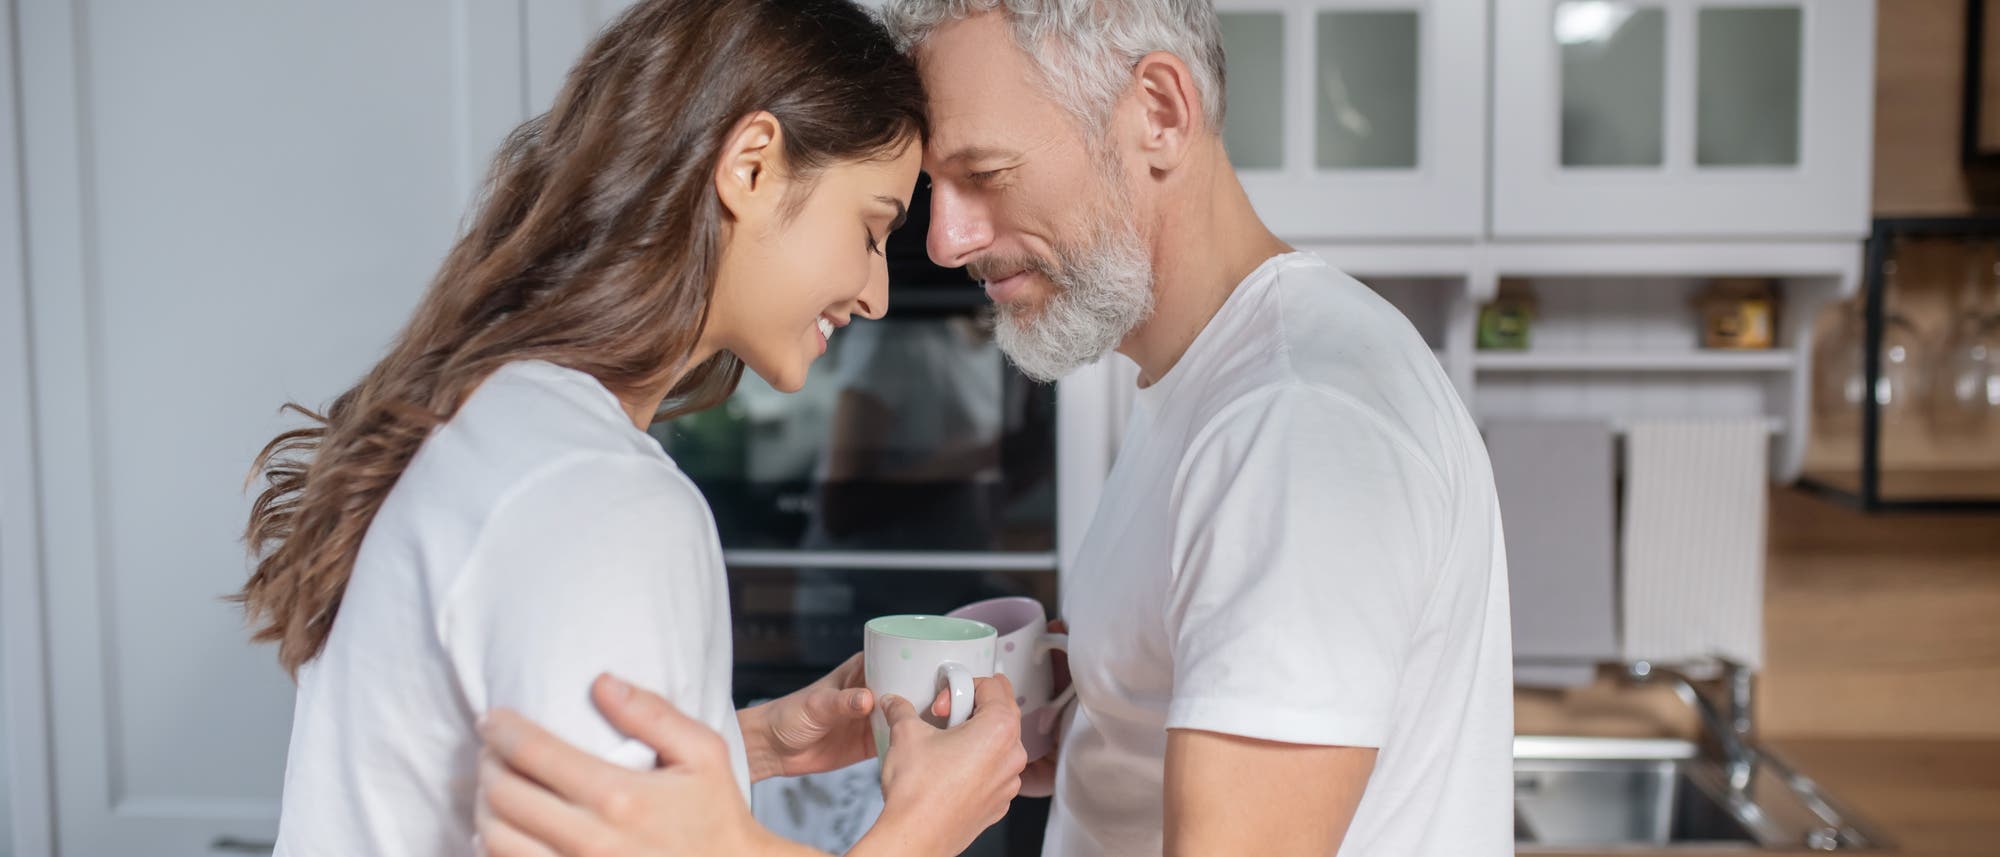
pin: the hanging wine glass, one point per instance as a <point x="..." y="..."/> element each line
<point x="1965" y="396"/>
<point x="1835" y="356"/>
<point x="1841" y="379"/>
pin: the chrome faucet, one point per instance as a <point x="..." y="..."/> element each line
<point x="1730" y="723"/>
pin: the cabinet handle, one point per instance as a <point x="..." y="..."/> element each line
<point x="894" y="560"/>
<point x="233" y="845"/>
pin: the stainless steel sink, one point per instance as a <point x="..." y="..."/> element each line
<point x="1598" y="794"/>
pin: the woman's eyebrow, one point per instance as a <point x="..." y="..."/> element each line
<point x="902" y="211"/>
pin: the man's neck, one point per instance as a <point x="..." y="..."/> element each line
<point x="1206" y="240"/>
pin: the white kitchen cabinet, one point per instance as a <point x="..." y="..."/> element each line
<point x="227" y="205"/>
<point x="1359" y="119"/>
<point x="1682" y="118"/>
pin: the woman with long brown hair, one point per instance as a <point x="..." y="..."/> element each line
<point x="482" y="521"/>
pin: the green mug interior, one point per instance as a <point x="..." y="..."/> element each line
<point x="921" y="627"/>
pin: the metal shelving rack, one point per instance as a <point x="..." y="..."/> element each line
<point x="1867" y="494"/>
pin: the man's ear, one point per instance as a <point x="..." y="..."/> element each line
<point x="1171" y="108"/>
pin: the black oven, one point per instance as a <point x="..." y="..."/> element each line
<point x="915" y="472"/>
<point x="913" y="438"/>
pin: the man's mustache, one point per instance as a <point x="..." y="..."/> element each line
<point x="993" y="268"/>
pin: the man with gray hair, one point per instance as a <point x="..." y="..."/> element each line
<point x="1288" y="620"/>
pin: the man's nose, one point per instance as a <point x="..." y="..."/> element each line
<point x="960" y="227"/>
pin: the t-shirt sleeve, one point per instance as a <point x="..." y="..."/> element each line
<point x="1305" y="533"/>
<point x="599" y="564"/>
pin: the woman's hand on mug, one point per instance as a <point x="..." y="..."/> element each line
<point x="539" y="796"/>
<point x="942" y="787"/>
<point x="820" y="727"/>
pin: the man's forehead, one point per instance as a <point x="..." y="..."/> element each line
<point x="978" y="82"/>
<point x="991" y="119"/>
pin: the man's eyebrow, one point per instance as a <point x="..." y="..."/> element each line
<point x="980" y="153"/>
<point x="902" y="211"/>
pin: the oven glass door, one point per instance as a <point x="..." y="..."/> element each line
<point x="912" y="433"/>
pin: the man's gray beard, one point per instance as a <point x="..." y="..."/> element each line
<point x="1103" y="290"/>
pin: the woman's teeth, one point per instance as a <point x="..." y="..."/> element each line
<point x="826" y="330"/>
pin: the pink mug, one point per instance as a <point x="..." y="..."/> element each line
<point x="1023" y="657"/>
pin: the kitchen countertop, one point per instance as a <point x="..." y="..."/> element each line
<point x="1930" y="798"/>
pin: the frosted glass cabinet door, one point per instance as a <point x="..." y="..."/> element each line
<point x="1359" y="119"/>
<point x="1254" y="131"/>
<point x="1614" y="83"/>
<point x="1747" y="87"/>
<point x="1365" y="70"/>
<point x="1682" y="118"/>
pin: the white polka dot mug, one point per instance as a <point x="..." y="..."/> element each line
<point x="915" y="656"/>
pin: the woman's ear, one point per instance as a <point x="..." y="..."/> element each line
<point x="746" y="175"/>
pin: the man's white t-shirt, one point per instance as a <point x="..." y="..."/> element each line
<point x="1299" y="542"/>
<point x="537" y="539"/>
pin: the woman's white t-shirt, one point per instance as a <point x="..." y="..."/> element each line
<point x="537" y="539"/>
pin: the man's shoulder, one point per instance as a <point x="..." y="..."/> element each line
<point x="1291" y="411"/>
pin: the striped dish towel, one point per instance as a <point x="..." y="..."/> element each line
<point x="1695" y="494"/>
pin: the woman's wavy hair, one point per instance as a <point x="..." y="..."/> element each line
<point x="594" y="247"/>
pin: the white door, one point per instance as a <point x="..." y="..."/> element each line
<point x="1359" y="119"/>
<point x="228" y="204"/>
<point x="1650" y="118"/>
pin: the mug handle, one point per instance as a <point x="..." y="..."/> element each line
<point x="960" y="680"/>
<point x="1053" y="641"/>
